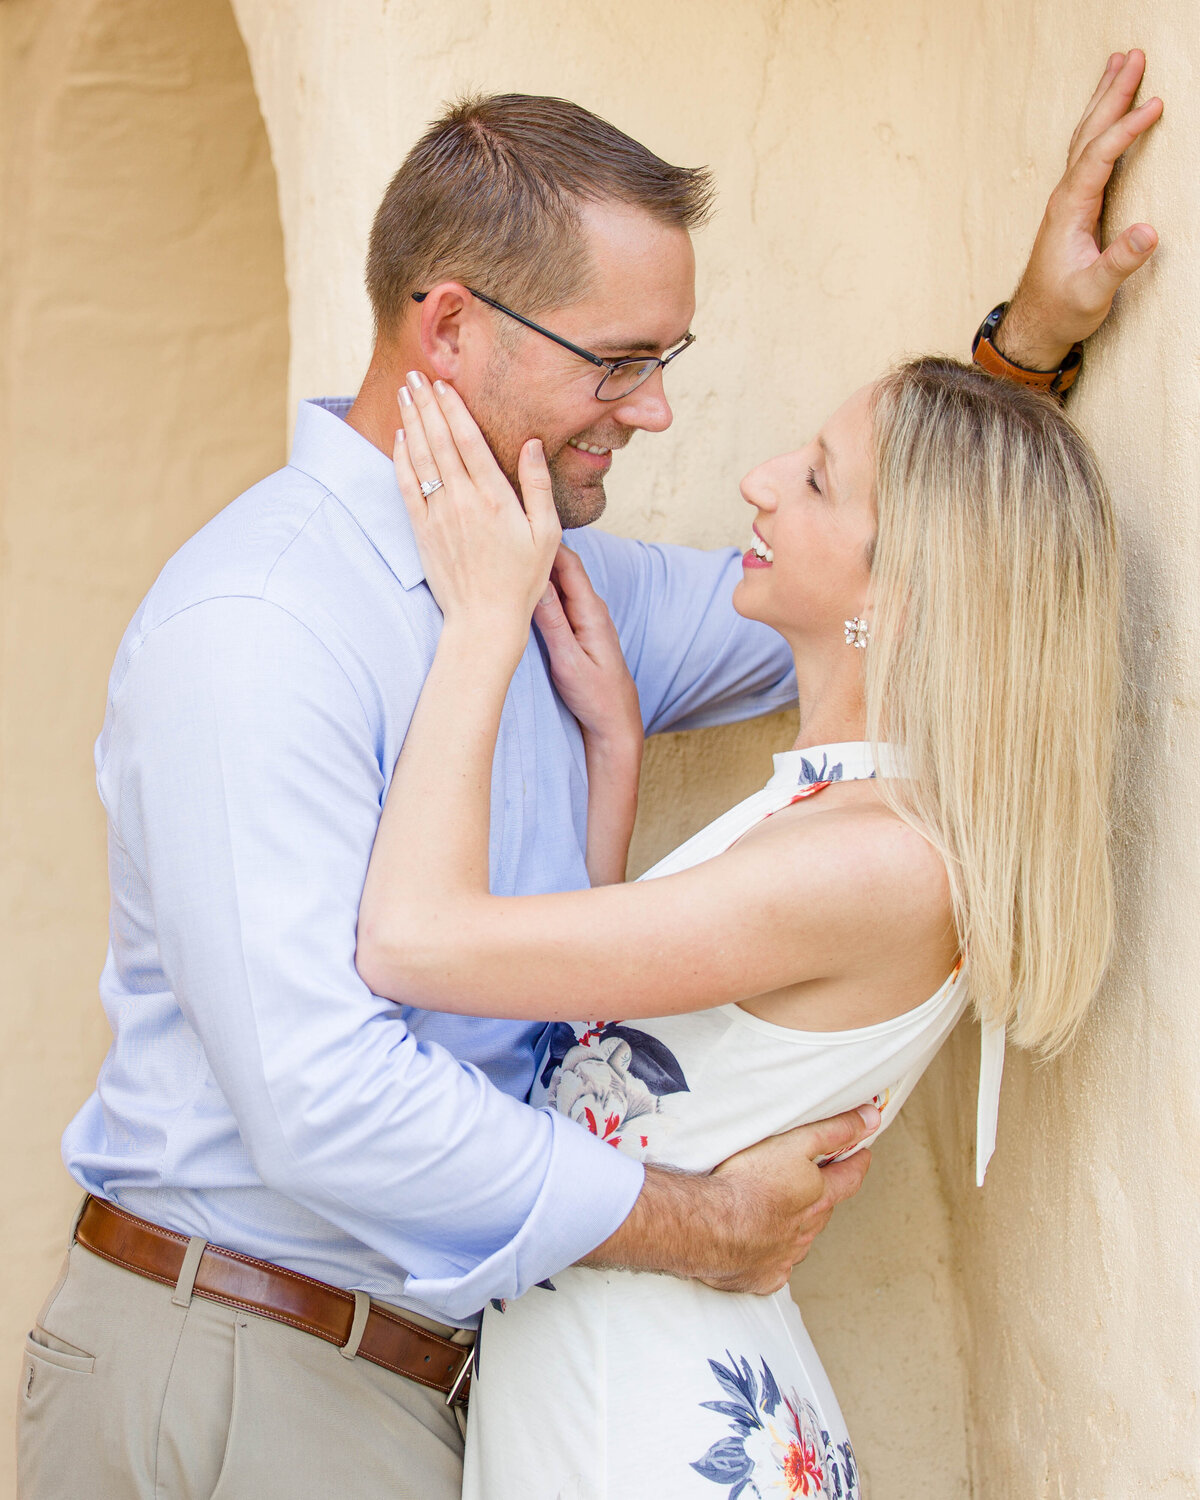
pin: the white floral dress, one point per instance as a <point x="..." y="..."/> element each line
<point x="618" y="1385"/>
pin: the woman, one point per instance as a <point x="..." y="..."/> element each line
<point x="941" y="559"/>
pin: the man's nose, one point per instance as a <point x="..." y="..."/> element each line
<point x="647" y="407"/>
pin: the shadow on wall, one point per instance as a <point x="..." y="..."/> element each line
<point x="144" y="380"/>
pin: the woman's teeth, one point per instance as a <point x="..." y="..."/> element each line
<point x="760" y="549"/>
<point x="589" y="448"/>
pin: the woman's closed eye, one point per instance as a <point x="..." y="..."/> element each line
<point x="812" y="481"/>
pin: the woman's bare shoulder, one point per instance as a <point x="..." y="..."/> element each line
<point x="864" y="856"/>
<point x="885" y="915"/>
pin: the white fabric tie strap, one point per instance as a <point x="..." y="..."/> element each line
<point x="991" y="1073"/>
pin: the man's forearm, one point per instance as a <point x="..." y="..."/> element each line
<point x="743" y="1226"/>
<point x="1023" y="337"/>
<point x="679" y="1225"/>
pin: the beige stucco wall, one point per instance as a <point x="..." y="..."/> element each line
<point x="1079" y="1262"/>
<point x="143" y="341"/>
<point x="881" y="170"/>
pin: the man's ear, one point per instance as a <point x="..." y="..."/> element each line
<point x="450" y="330"/>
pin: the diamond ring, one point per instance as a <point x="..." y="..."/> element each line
<point x="429" y="485"/>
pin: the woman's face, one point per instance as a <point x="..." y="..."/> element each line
<point x="815" y="522"/>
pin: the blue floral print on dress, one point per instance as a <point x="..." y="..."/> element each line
<point x="778" y="1446"/>
<point x="809" y="773"/>
<point x="608" y="1077"/>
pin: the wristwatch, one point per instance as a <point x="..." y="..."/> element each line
<point x="988" y="357"/>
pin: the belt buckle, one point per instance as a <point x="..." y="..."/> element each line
<point x="463" y="1369"/>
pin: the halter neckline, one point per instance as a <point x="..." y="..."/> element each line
<point x="843" y="760"/>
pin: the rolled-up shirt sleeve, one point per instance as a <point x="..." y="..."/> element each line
<point x="695" y="660"/>
<point x="242" y="776"/>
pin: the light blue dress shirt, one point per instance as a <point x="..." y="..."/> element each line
<point x="256" y="1092"/>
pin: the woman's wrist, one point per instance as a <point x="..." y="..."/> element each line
<point x="615" y="747"/>
<point x="488" y="639"/>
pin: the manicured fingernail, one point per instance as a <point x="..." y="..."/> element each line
<point x="1140" y="240"/>
<point x="405" y="396"/>
<point x="400" y="434"/>
<point x="416" y="379"/>
<point x="870" y="1116"/>
<point x="440" y="387"/>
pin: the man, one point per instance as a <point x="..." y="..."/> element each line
<point x="301" y="1191"/>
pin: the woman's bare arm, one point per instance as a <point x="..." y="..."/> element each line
<point x="781" y="907"/>
<point x="777" y="910"/>
<point x="592" y="679"/>
<point x="612" y="770"/>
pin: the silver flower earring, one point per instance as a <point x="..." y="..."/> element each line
<point x="857" y="633"/>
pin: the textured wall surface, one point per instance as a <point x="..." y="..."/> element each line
<point x="1079" y="1261"/>
<point x="144" y="357"/>
<point x="881" y="170"/>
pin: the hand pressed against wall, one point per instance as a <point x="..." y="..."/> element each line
<point x="1069" y="284"/>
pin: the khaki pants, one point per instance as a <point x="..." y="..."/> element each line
<point x="126" y="1395"/>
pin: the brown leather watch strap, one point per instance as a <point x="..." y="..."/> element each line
<point x="270" y="1291"/>
<point x="985" y="354"/>
<point x="989" y="358"/>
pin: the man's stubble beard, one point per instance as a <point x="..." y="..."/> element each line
<point x="576" y="504"/>
<point x="506" y="427"/>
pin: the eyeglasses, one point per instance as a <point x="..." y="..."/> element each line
<point x="621" y="376"/>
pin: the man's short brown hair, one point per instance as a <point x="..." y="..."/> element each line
<point x="490" y="196"/>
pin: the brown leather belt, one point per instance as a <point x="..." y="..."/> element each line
<point x="256" y="1286"/>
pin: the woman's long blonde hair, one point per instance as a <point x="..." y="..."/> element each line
<point x="994" y="661"/>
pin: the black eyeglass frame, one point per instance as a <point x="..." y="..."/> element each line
<point x="609" y="366"/>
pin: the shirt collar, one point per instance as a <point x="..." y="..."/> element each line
<point x="330" y="451"/>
